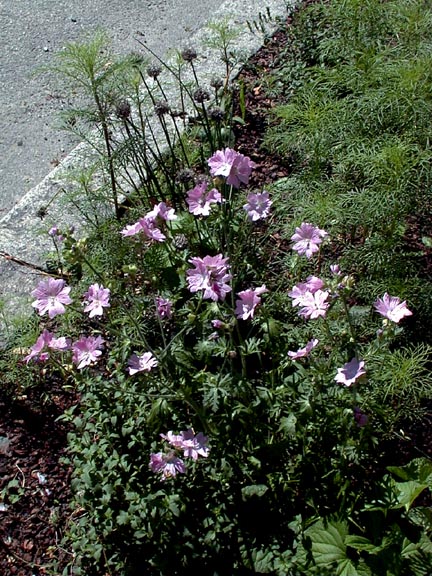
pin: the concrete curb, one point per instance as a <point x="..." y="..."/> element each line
<point x="24" y="234"/>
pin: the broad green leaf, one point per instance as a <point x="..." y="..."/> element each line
<point x="419" y="469"/>
<point x="407" y="492"/>
<point x="328" y="543"/>
<point x="254" y="490"/>
<point x="361" y="543"/>
<point x="288" y="425"/>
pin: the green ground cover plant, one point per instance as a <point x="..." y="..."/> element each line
<point x="245" y="357"/>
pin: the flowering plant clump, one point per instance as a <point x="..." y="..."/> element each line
<point x="245" y="330"/>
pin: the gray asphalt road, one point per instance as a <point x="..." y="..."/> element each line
<point x="32" y="31"/>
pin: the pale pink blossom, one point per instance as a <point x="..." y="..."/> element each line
<point x="307" y="239"/>
<point x="194" y="445"/>
<point x="200" y="200"/>
<point x="191" y="444"/>
<point x="350" y="372"/>
<point x="162" y="211"/>
<point x="143" y="363"/>
<point x="303" y="352"/>
<point x="257" y="206"/>
<point x="248" y="301"/>
<point x="392" y="308"/>
<point x="147" y="226"/>
<point x="96" y="299"/>
<point x="312" y="285"/>
<point x="168" y="464"/>
<point x="210" y="276"/>
<point x="51" y="296"/>
<point x="234" y="166"/>
<point x="87" y="350"/>
<point x="314" y="305"/>
<point x="46" y="340"/>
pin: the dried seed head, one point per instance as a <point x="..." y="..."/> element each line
<point x="161" y="107"/>
<point x="216" y="83"/>
<point x="200" y="95"/>
<point x="123" y="110"/>
<point x="154" y="70"/>
<point x="189" y="54"/>
<point x="185" y="176"/>
<point x="217" y="114"/>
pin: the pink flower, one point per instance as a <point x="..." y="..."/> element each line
<point x="96" y="298"/>
<point x="210" y="275"/>
<point x="303" y="352"/>
<point x="307" y="239"/>
<point x="194" y="446"/>
<point x="173" y="439"/>
<point x="392" y="308"/>
<point x="51" y="296"/>
<point x="235" y="167"/>
<point x="46" y="340"/>
<point x="350" y="372"/>
<point x="257" y="206"/>
<point x="143" y="363"/>
<point x="86" y="350"/>
<point x="312" y="285"/>
<point x="248" y="301"/>
<point x="147" y="226"/>
<point x="131" y="229"/>
<point x="335" y="269"/>
<point x="217" y="324"/>
<point x="163" y="306"/>
<point x="314" y="305"/>
<point x="167" y="464"/>
<point x="162" y="211"/>
<point x="200" y="201"/>
<point x="55" y="233"/>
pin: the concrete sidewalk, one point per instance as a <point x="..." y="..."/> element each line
<point x="24" y="234"/>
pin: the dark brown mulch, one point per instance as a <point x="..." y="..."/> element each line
<point x="34" y="509"/>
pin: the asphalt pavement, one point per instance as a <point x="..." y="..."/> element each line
<point x="32" y="32"/>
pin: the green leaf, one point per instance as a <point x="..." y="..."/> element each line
<point x="328" y="543"/>
<point x="407" y="492"/>
<point x="360" y="543"/>
<point x="254" y="490"/>
<point x="288" y="425"/>
<point x="419" y="469"/>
